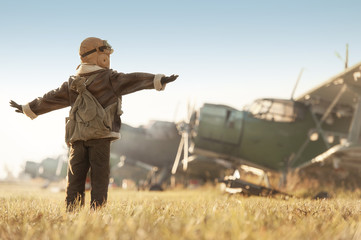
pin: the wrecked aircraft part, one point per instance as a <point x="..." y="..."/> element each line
<point x="247" y="188"/>
<point x="234" y="186"/>
<point x="321" y="195"/>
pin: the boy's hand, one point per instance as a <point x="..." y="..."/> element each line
<point x="18" y="107"/>
<point x="169" y="79"/>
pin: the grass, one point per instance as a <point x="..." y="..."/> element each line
<point x="32" y="213"/>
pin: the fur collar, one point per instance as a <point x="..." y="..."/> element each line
<point x="87" y="68"/>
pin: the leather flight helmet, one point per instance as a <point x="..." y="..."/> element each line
<point x="92" y="44"/>
<point x="95" y="51"/>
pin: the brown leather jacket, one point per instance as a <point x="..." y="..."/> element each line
<point x="107" y="87"/>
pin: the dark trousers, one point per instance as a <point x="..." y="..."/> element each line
<point x="85" y="155"/>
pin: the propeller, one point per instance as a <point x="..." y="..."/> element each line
<point x="184" y="129"/>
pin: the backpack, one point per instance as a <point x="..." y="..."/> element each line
<point x="87" y="118"/>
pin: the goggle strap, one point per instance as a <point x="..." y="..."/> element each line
<point x="102" y="48"/>
<point x="89" y="52"/>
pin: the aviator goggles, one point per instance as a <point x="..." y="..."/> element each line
<point x="106" y="46"/>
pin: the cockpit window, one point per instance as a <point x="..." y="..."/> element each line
<point x="276" y="110"/>
<point x="260" y="107"/>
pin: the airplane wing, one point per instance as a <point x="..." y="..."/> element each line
<point x="341" y="96"/>
<point x="346" y="85"/>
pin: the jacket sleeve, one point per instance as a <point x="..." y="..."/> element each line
<point x="128" y="83"/>
<point x="53" y="100"/>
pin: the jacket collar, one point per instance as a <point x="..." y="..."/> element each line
<point x="85" y="68"/>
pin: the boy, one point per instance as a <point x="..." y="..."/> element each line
<point x="94" y="95"/>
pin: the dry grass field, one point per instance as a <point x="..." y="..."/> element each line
<point x="31" y="213"/>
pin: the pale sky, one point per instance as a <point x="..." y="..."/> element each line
<point x="228" y="52"/>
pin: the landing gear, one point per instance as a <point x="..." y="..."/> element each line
<point x="283" y="180"/>
<point x="156" y="187"/>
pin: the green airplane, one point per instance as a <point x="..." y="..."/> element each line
<point x="50" y="169"/>
<point x="320" y="127"/>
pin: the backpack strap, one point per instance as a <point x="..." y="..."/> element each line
<point x="91" y="79"/>
<point x="119" y="107"/>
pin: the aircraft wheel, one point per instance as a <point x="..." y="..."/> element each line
<point x="156" y="187"/>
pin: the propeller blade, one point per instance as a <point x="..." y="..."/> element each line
<point x="185" y="160"/>
<point x="179" y="152"/>
<point x="176" y="112"/>
<point x="188" y="110"/>
<point x="59" y="167"/>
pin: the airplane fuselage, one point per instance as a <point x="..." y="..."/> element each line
<point x="273" y="135"/>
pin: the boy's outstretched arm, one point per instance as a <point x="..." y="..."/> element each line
<point x="53" y="100"/>
<point x="132" y="82"/>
